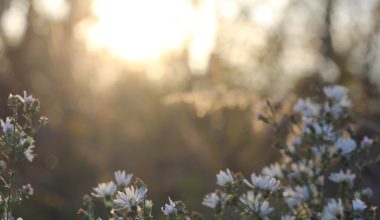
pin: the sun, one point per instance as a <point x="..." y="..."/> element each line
<point x="139" y="30"/>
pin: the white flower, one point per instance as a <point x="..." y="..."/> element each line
<point x="274" y="170"/>
<point x="306" y="108"/>
<point x="28" y="152"/>
<point x="22" y="141"/>
<point x="148" y="204"/>
<point x="345" y="146"/>
<point x="335" y="109"/>
<point x="121" y="179"/>
<point x="323" y="130"/>
<point x="27" y="99"/>
<point x="224" y="178"/>
<point x="336" y="93"/>
<point x="366" y="142"/>
<point x="27" y="189"/>
<point x="367" y="192"/>
<point x="264" y="182"/>
<point x="358" y="205"/>
<point x="333" y="210"/>
<point x="131" y="198"/>
<point x="297" y="195"/>
<point x="7" y="126"/>
<point x="340" y="177"/>
<point x="211" y="200"/>
<point x="169" y="209"/>
<point x="104" y="189"/>
<point x="303" y="167"/>
<point x="256" y="203"/>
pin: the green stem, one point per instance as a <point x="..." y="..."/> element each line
<point x="13" y="161"/>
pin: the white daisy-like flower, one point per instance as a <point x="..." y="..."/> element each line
<point x="27" y="189"/>
<point x="122" y="179"/>
<point x="22" y="141"/>
<point x="340" y="101"/>
<point x="324" y="130"/>
<point x="256" y="203"/>
<point x="297" y="195"/>
<point x="341" y="177"/>
<point x="366" y="142"/>
<point x="224" y="178"/>
<point x="27" y="99"/>
<point x="303" y="167"/>
<point x="273" y="170"/>
<point x="131" y="197"/>
<point x="169" y="209"/>
<point x="104" y="190"/>
<point x="333" y="210"/>
<point x="28" y="152"/>
<point x="211" y="200"/>
<point x="7" y="126"/>
<point x="335" y="109"/>
<point x="306" y="108"/>
<point x="345" y="145"/>
<point x="264" y="182"/>
<point x="337" y="94"/>
<point x="358" y="205"/>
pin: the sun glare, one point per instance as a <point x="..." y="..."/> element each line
<point x="140" y="30"/>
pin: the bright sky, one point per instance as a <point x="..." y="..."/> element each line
<point x="145" y="30"/>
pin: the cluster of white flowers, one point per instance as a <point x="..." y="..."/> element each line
<point x="295" y="196"/>
<point x="124" y="200"/>
<point x="338" y="100"/>
<point x="17" y="145"/>
<point x="321" y="141"/>
<point x="121" y="199"/>
<point x="306" y="107"/>
<point x="343" y="177"/>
